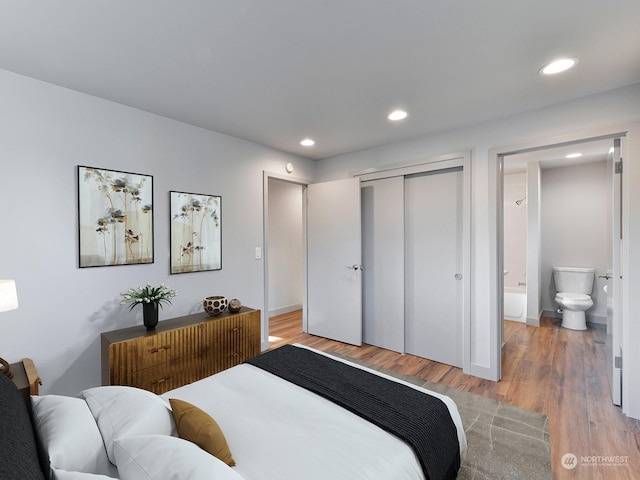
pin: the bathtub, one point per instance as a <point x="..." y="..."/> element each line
<point x="515" y="304"/>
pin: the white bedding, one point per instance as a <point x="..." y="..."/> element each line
<point x="276" y="430"/>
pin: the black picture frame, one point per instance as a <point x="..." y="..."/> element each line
<point x="195" y="232"/>
<point x="115" y="218"/>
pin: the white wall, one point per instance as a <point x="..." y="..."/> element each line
<point x="611" y="111"/>
<point x="515" y="229"/>
<point x="45" y="132"/>
<point x="285" y="247"/>
<point x="534" y="260"/>
<point x="575" y="231"/>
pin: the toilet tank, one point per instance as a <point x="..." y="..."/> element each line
<point x="574" y="279"/>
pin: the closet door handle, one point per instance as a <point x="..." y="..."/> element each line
<point x="355" y="267"/>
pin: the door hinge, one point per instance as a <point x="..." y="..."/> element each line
<point x="618" y="362"/>
<point x="618" y="166"/>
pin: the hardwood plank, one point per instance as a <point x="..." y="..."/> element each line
<point x="568" y="431"/>
<point x="611" y="442"/>
<point x="568" y="365"/>
<point x="597" y="387"/>
<point x="511" y="364"/>
<point x="525" y="391"/>
<point x="541" y="344"/>
<point x="549" y="369"/>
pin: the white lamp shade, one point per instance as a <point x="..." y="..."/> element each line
<point x="8" y="295"/>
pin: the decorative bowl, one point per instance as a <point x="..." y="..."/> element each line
<point x="215" y="305"/>
<point x="234" y="305"/>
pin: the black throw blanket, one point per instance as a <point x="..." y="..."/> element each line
<point x="421" y="420"/>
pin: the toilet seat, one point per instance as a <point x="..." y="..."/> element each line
<point x="574" y="306"/>
<point x="572" y="296"/>
<point x="574" y="301"/>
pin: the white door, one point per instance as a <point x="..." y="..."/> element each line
<point x="614" y="281"/>
<point x="334" y="270"/>
<point x="383" y="255"/>
<point x="433" y="278"/>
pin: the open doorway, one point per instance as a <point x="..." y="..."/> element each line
<point x="571" y="206"/>
<point x="284" y="250"/>
<point x="575" y="194"/>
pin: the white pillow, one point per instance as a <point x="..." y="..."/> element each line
<point x="157" y="457"/>
<point x="69" y="434"/>
<point x="121" y="411"/>
<point x="65" y="475"/>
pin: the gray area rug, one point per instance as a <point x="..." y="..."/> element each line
<point x="504" y="442"/>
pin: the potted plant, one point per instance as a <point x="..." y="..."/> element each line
<point x="151" y="298"/>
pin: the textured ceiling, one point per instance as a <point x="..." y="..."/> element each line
<point x="276" y="71"/>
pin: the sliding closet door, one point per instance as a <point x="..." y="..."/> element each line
<point x="383" y="260"/>
<point x="433" y="278"/>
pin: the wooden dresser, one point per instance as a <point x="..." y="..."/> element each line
<point x="180" y="350"/>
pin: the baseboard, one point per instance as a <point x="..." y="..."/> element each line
<point x="287" y="309"/>
<point x="533" y="321"/>
<point x="481" y="371"/>
<point x="590" y="318"/>
<point x="596" y="319"/>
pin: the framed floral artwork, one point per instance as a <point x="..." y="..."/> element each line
<point x="196" y="232"/>
<point x="115" y="217"/>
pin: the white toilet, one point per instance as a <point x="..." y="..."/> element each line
<point x="574" y="286"/>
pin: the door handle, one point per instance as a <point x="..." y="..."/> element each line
<point x="607" y="276"/>
<point x="355" y="267"/>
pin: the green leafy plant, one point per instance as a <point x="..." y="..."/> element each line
<point x="148" y="294"/>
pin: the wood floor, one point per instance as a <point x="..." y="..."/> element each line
<point x="549" y="369"/>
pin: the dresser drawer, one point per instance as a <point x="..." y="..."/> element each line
<point x="161" y="378"/>
<point x="232" y="328"/>
<point x="229" y="341"/>
<point x="153" y="349"/>
<point x="167" y="346"/>
<point x="226" y="356"/>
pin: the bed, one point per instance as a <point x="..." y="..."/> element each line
<point x="271" y="427"/>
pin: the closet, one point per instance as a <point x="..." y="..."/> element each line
<point x="413" y="243"/>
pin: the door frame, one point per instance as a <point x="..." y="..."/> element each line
<point x="443" y="162"/>
<point x="266" y="176"/>
<point x="496" y="226"/>
<point x="614" y="284"/>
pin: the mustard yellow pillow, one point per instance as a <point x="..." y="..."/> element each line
<point x="198" y="427"/>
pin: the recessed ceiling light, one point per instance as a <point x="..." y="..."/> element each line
<point x="397" y="115"/>
<point x="307" y="142"/>
<point x="558" y="66"/>
<point x="573" y="155"/>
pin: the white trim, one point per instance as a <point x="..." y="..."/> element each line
<point x="266" y="175"/>
<point x="630" y="406"/>
<point x="398" y="166"/>
<point x="590" y="318"/>
<point x="629" y="147"/>
<point x="496" y="274"/>
<point x="467" y="260"/>
<point x="287" y="309"/>
<point x="451" y="162"/>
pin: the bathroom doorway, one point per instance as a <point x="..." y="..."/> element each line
<point x="571" y="209"/>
